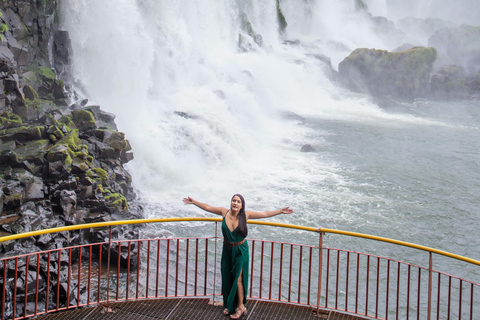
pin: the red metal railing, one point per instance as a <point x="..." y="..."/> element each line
<point x="120" y="270"/>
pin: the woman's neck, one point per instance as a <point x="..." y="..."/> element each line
<point x="234" y="214"/>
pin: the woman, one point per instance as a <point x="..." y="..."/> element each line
<point x="235" y="254"/>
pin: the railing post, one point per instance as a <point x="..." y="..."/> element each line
<point x="430" y="274"/>
<point x="320" y="268"/>
<point x="108" y="264"/>
<point x="215" y="263"/>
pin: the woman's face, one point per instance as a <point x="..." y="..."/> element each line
<point x="236" y="204"/>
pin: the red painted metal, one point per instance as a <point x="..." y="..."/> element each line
<point x="252" y="256"/>
<point x="367" y="285"/>
<point x="280" y="273"/>
<point x="36" y="283"/>
<point x="4" y="287"/>
<point x="79" y="277"/>
<point x="300" y="275"/>
<point x="262" y="254"/>
<point x="47" y="287"/>
<point x="356" y="283"/>
<point x="167" y="263"/>
<point x="290" y="275"/>
<point x="26" y="284"/>
<point x="206" y="266"/>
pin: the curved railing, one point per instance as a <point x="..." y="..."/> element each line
<point x="119" y="270"/>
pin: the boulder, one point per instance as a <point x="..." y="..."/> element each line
<point x="402" y="75"/>
<point x="458" y="46"/>
<point x="307" y="148"/>
<point x="449" y="83"/>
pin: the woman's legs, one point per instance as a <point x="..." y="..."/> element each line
<point x="240" y="291"/>
<point x="241" y="310"/>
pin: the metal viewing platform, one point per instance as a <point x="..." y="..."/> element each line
<point x="174" y="278"/>
<point x="193" y="308"/>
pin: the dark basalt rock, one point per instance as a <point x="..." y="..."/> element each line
<point x="61" y="159"/>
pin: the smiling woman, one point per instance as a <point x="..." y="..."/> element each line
<point x="235" y="250"/>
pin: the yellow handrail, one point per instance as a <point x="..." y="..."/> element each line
<point x="266" y="223"/>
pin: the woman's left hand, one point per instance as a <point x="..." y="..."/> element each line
<point x="287" y="210"/>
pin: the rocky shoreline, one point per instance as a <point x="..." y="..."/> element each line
<point x="61" y="159"/>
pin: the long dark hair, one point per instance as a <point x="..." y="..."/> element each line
<point x="242" y="218"/>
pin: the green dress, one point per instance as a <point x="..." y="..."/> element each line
<point x="234" y="259"/>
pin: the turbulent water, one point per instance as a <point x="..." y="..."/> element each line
<point x="208" y="120"/>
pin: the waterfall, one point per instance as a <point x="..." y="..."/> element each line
<point x="218" y="97"/>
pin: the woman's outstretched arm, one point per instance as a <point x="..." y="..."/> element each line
<point x="267" y="214"/>
<point x="204" y="206"/>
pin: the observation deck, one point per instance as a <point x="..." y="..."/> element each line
<point x="198" y="309"/>
<point x="175" y="278"/>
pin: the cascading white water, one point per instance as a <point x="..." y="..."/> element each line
<point x="204" y="117"/>
<point x="147" y="61"/>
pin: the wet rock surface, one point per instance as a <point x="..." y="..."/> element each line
<point x="61" y="159"/>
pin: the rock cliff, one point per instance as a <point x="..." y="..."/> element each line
<point x="61" y="159"/>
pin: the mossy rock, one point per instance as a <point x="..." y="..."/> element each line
<point x="30" y="93"/>
<point x="99" y="175"/>
<point x="43" y="72"/>
<point x="404" y="74"/>
<point x="23" y="133"/>
<point x="84" y="120"/>
<point x="59" y="152"/>
<point x="71" y="140"/>
<point x="117" y="201"/>
<point x="10" y="120"/>
<point x="33" y="151"/>
<point x="79" y="165"/>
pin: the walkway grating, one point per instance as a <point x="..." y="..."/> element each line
<point x="195" y="308"/>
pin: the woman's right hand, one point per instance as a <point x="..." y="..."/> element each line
<point x="187" y="200"/>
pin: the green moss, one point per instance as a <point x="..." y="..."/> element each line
<point x="117" y="200"/>
<point x="102" y="190"/>
<point x="83" y="119"/>
<point x="82" y="153"/>
<point x="102" y="174"/>
<point x="47" y="72"/>
<point x="82" y="115"/>
<point x="53" y="138"/>
<point x="68" y="161"/>
<point x="71" y="140"/>
<point x="3" y="28"/>
<point x="10" y="120"/>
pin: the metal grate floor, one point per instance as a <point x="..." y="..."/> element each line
<point x="176" y="309"/>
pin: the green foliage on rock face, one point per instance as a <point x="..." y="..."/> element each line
<point x="117" y="200"/>
<point x="3" y="29"/>
<point x="10" y="120"/>
<point x="114" y="199"/>
<point x="71" y="140"/>
<point x="84" y="119"/>
<point x="101" y="174"/>
<point x="43" y="71"/>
